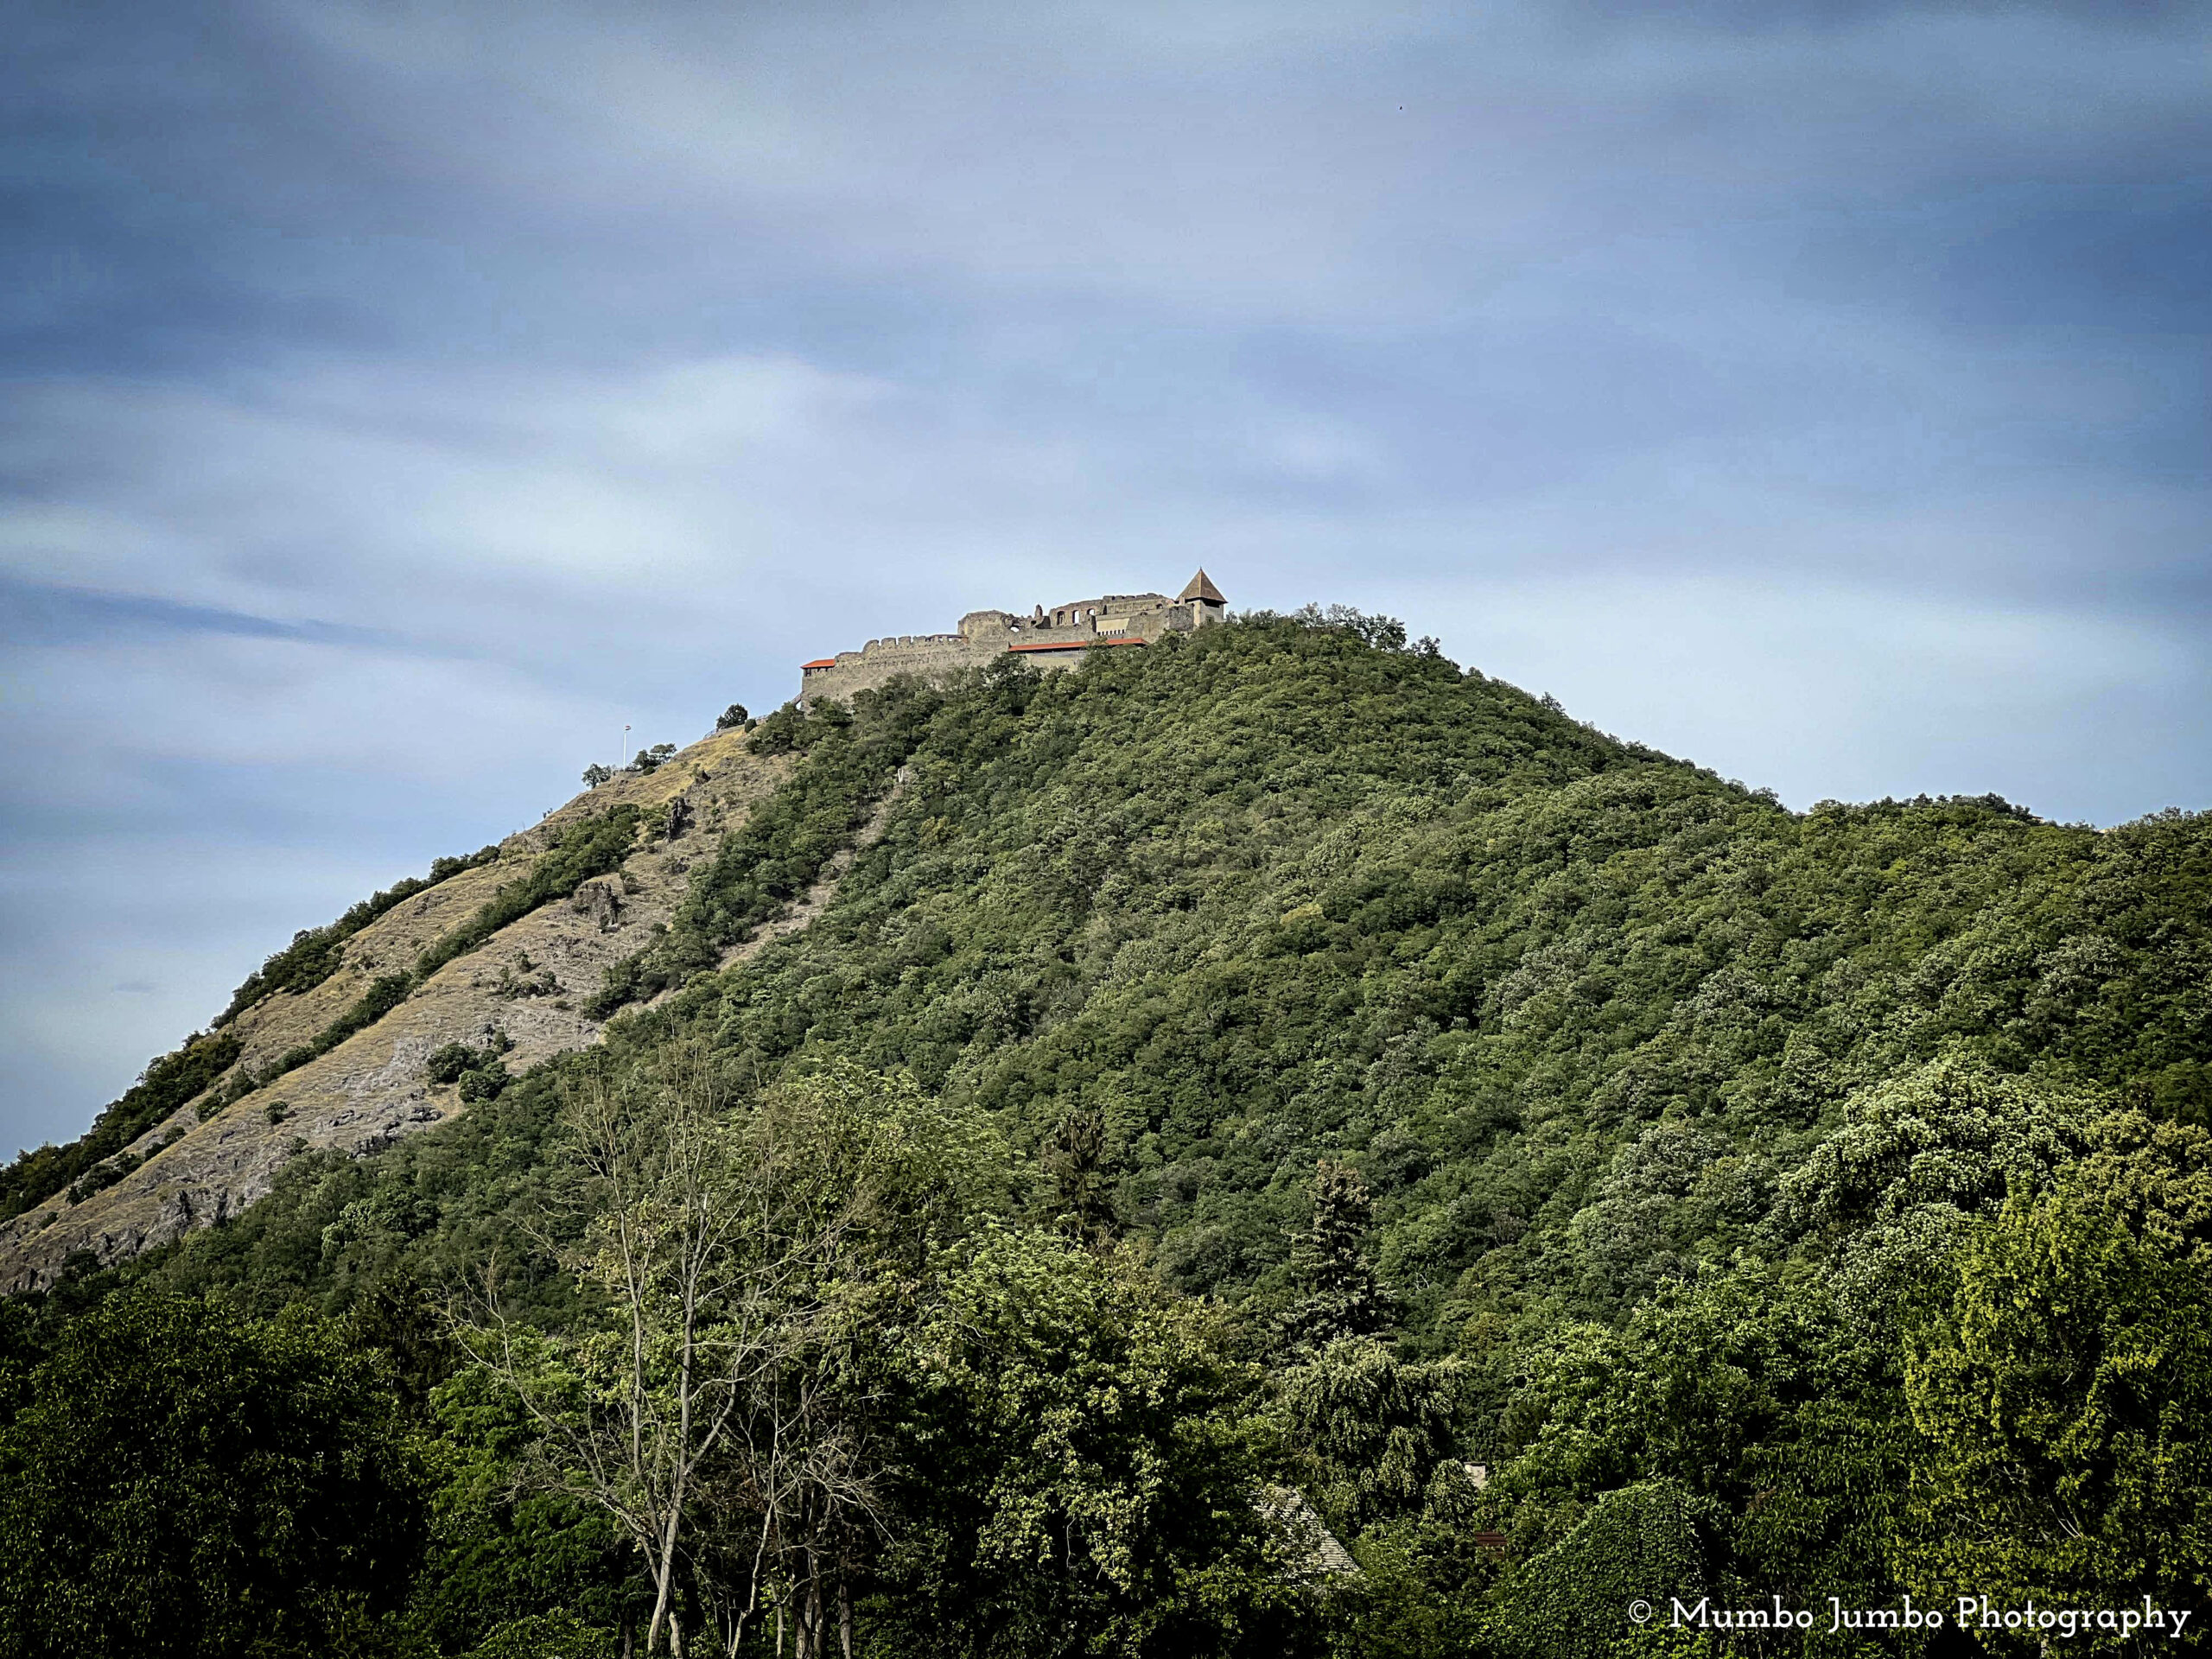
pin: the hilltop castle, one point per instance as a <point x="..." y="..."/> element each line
<point x="1051" y="636"/>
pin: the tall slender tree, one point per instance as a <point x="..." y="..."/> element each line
<point x="746" y="1261"/>
<point x="706" y="1276"/>
<point x="1075" y="1158"/>
<point x="1340" y="1297"/>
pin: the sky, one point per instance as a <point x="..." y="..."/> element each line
<point x="398" y="402"/>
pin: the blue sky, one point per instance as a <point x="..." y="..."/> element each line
<point x="400" y="399"/>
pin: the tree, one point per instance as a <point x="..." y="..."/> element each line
<point x="1082" y="1469"/>
<point x="1367" y="1429"/>
<point x="502" y="1552"/>
<point x="631" y="1410"/>
<point x="736" y="715"/>
<point x="2061" y="1397"/>
<point x="742" y="1258"/>
<point x="1771" y="1402"/>
<point x="181" y="1482"/>
<point x="886" y="1178"/>
<point x="1328" y="1258"/>
<point x="1075" y="1159"/>
<point x="596" y="775"/>
<point x="654" y="759"/>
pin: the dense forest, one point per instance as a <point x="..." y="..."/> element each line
<point x="1282" y="1145"/>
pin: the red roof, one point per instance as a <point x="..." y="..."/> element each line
<point x="819" y="662"/>
<point x="1074" y="644"/>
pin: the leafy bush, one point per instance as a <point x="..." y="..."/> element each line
<point x="485" y="1082"/>
<point x="447" y="1064"/>
<point x="736" y="715"/>
<point x="785" y="731"/>
<point x="102" y="1176"/>
<point x="480" y="1071"/>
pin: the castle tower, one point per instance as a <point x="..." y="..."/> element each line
<point x="1205" y="599"/>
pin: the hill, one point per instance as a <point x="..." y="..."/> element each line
<point x="329" y="1045"/>
<point x="1514" y="1097"/>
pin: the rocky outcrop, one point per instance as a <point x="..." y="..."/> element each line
<point x="600" y="900"/>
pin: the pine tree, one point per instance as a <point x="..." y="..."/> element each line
<point x="1082" y="1196"/>
<point x="1341" y="1298"/>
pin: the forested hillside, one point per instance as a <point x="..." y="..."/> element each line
<point x="1265" y="1091"/>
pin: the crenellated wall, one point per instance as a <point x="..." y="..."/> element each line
<point x="928" y="654"/>
<point x="1054" y="637"/>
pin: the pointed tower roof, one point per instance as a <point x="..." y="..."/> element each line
<point x="1200" y="587"/>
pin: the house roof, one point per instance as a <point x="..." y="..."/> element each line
<point x="1201" y="587"/>
<point x="819" y="662"/>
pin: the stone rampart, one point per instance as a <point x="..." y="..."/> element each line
<point x="1050" y="638"/>
<point x="930" y="656"/>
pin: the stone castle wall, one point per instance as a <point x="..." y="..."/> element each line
<point x="929" y="655"/>
<point x="1050" y="638"/>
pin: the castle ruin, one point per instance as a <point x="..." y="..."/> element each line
<point x="1050" y="636"/>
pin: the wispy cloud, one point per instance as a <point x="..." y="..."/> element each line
<point x="41" y="614"/>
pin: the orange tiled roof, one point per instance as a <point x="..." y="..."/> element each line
<point x="819" y="662"/>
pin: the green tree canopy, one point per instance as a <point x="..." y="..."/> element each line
<point x="179" y="1482"/>
<point x="2061" y="1394"/>
<point x="1080" y="1472"/>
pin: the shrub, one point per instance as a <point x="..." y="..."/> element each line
<point x="788" y="730"/>
<point x="485" y="1082"/>
<point x="478" y="1070"/>
<point x="446" y="1064"/>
